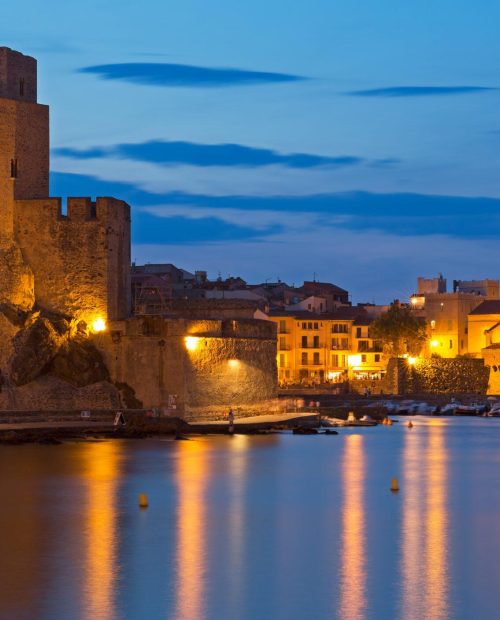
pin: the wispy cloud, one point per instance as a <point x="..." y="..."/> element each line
<point x="404" y="215"/>
<point x="175" y="75"/>
<point x="176" y="153"/>
<point x="419" y="91"/>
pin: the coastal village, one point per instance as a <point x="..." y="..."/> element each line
<point x="83" y="328"/>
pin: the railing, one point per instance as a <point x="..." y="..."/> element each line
<point x="284" y="347"/>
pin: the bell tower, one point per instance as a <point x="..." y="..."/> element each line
<point x="24" y="136"/>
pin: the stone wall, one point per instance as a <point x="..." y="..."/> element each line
<point x="229" y="363"/>
<point x="80" y="260"/>
<point x="438" y="376"/>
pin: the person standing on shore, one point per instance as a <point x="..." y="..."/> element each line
<point x="230" y="417"/>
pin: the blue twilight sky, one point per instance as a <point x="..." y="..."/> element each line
<point x="358" y="141"/>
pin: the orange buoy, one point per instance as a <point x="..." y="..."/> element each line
<point x="394" y="485"/>
<point x="410" y="424"/>
<point x="143" y="500"/>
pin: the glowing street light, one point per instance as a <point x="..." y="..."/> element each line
<point x="434" y="343"/>
<point x="191" y="342"/>
<point x="99" y="325"/>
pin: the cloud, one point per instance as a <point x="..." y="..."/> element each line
<point x="419" y="91"/>
<point x="151" y="230"/>
<point x="403" y="215"/>
<point x="175" y="75"/>
<point x="175" y="153"/>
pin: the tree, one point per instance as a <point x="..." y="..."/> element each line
<point x="400" y="331"/>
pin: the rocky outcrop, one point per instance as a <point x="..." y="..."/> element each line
<point x="78" y="362"/>
<point x="35" y="346"/>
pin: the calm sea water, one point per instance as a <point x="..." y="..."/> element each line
<point x="279" y="527"/>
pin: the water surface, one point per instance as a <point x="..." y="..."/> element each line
<point x="279" y="527"/>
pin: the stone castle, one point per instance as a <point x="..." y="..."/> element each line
<point x="66" y="337"/>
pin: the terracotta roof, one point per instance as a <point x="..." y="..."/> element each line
<point x="490" y="306"/>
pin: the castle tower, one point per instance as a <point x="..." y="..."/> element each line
<point x="24" y="136"/>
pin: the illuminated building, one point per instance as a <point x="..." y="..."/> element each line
<point x="314" y="348"/>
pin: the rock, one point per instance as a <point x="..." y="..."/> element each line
<point x="330" y="432"/>
<point x="78" y="362"/>
<point x="16" y="278"/>
<point x="15" y="315"/>
<point x="304" y="430"/>
<point x="35" y="346"/>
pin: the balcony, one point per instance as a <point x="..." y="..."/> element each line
<point x="284" y="347"/>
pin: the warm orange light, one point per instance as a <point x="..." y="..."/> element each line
<point x="354" y="360"/>
<point x="191" y="342"/>
<point x="233" y="363"/>
<point x="99" y="325"/>
<point x="434" y="343"/>
<point x="414" y="301"/>
<point x="412" y="361"/>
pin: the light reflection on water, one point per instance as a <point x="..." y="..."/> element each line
<point x="353" y="568"/>
<point x="424" y="555"/>
<point x="102" y="475"/>
<point x="281" y="527"/>
<point x="191" y="474"/>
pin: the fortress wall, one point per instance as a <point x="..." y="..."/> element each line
<point x="79" y="261"/>
<point x="220" y="371"/>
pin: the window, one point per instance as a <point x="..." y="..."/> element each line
<point x="358" y="332"/>
<point x="21" y="87"/>
<point x="282" y="360"/>
<point x="316" y="358"/>
<point x="282" y="343"/>
<point x="377" y="357"/>
<point x="13" y="168"/>
<point x="283" y="327"/>
<point x="304" y="359"/>
<point x="309" y="326"/>
<point x="315" y="326"/>
<point x="450" y="326"/>
<point x="308" y="306"/>
<point x="344" y="343"/>
<point x="433" y="324"/>
<point x="316" y="342"/>
<point x="335" y="360"/>
<point x="363" y="345"/>
<point x="451" y="344"/>
<point x="304" y="325"/>
<point x="363" y="359"/>
<point x="304" y="342"/>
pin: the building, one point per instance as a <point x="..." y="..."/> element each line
<point x="447" y="313"/>
<point x="484" y="326"/>
<point x="330" y="347"/>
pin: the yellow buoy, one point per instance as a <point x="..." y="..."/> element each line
<point x="394" y="485"/>
<point x="389" y="422"/>
<point x="384" y="421"/>
<point x="410" y="425"/>
<point x="143" y="500"/>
